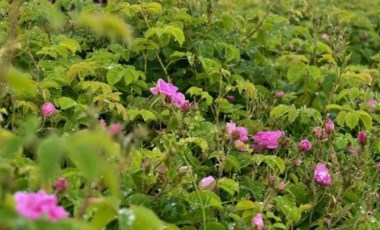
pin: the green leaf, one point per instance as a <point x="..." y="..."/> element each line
<point x="365" y="118"/>
<point x="65" y="103"/>
<point x="105" y="212"/>
<point x="247" y="204"/>
<point x="228" y="185"/>
<point x="49" y="157"/>
<point x="20" y="83"/>
<point x="315" y="73"/>
<point x="352" y="119"/>
<point x="212" y="226"/>
<point x="176" y="32"/>
<point x="114" y="75"/>
<point x="341" y="118"/>
<point x="295" y="72"/>
<point x="148" y="115"/>
<point x="278" y="111"/>
<point x="292" y="114"/>
<point x="138" y="218"/>
<point x="196" y="140"/>
<point x="207" y="198"/>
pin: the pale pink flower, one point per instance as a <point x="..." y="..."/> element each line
<point x="279" y="94"/>
<point x="372" y="102"/>
<point x="61" y="185"/>
<point x="164" y="88"/>
<point x="320" y="133"/>
<point x="48" y="109"/>
<point x="353" y="150"/>
<point x="258" y="222"/>
<point x="322" y="175"/>
<point x="102" y="123"/>
<point x="206" y="182"/>
<point x="281" y="186"/>
<point x="298" y="162"/>
<point x="36" y="205"/>
<point x="304" y="145"/>
<point x="362" y="137"/>
<point x="266" y="139"/>
<point x="236" y="132"/>
<point x="115" y="128"/>
<point x="325" y="37"/>
<point x="378" y="166"/>
<point x="329" y="127"/>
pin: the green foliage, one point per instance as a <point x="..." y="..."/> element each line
<point x="96" y="62"/>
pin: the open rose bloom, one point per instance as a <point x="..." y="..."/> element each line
<point x="177" y="99"/>
<point x="37" y="205"/>
<point x="322" y="175"/>
<point x="267" y="140"/>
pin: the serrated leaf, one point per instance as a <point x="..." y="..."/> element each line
<point x="65" y="103"/>
<point x="148" y="115"/>
<point x="207" y="198"/>
<point x="49" y="156"/>
<point x="138" y="218"/>
<point x="295" y="72"/>
<point x="341" y="118"/>
<point x="228" y="185"/>
<point x="365" y="118"/>
<point x="114" y="75"/>
<point x="292" y="114"/>
<point x="352" y="119"/>
<point x="246" y="204"/>
<point x="176" y="32"/>
<point x="278" y="111"/>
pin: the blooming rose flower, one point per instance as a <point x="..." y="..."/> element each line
<point x="304" y="145"/>
<point x="266" y="139"/>
<point x="362" y="137"/>
<point x="298" y="162"/>
<point x="279" y="94"/>
<point x="61" y="185"/>
<point x="257" y="221"/>
<point x="102" y="123"/>
<point x="236" y="132"/>
<point x="320" y="133"/>
<point x="115" y="128"/>
<point x="322" y="175"/>
<point x="329" y="127"/>
<point x="36" y="205"/>
<point x="164" y="88"/>
<point x="206" y="182"/>
<point x="282" y="186"/>
<point x="48" y="109"/>
<point x="325" y="37"/>
<point x="372" y="102"/>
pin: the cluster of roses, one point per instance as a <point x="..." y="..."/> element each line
<point x="171" y="94"/>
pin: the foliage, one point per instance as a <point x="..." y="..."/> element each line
<point x="231" y="59"/>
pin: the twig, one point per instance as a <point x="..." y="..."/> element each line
<point x="261" y="22"/>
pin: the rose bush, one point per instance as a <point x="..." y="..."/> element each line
<point x="189" y="115"/>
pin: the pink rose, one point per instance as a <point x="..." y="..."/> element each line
<point x="61" y="185"/>
<point x="102" y="123"/>
<point x="298" y="162"/>
<point x="36" y="205"/>
<point x="266" y="139"/>
<point x="329" y="127"/>
<point x="282" y="186"/>
<point x="362" y="137"/>
<point x="322" y="175"/>
<point x="258" y="222"/>
<point x="320" y="133"/>
<point x="372" y="102"/>
<point x="279" y="94"/>
<point x="325" y="37"/>
<point x="236" y="132"/>
<point x="164" y="88"/>
<point x="115" y="129"/>
<point x="304" y="145"/>
<point x="206" y="182"/>
<point x="48" y="109"/>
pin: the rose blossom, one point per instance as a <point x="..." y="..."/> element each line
<point x="304" y="145"/>
<point x="279" y="94"/>
<point x="48" y="109"/>
<point x="329" y="127"/>
<point x="266" y="139"/>
<point x="282" y="186"/>
<point x="257" y="221"/>
<point x="115" y="128"/>
<point x="322" y="175"/>
<point x="61" y="185"/>
<point x="325" y="37"/>
<point x="236" y="132"/>
<point x="320" y="133"/>
<point x="164" y="88"/>
<point x="206" y="182"/>
<point x="362" y="137"/>
<point x="36" y="205"/>
<point x="298" y="162"/>
<point x="372" y="102"/>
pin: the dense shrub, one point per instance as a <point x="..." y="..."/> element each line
<point x="185" y="114"/>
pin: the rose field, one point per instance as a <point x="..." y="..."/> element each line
<point x="189" y="114"/>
